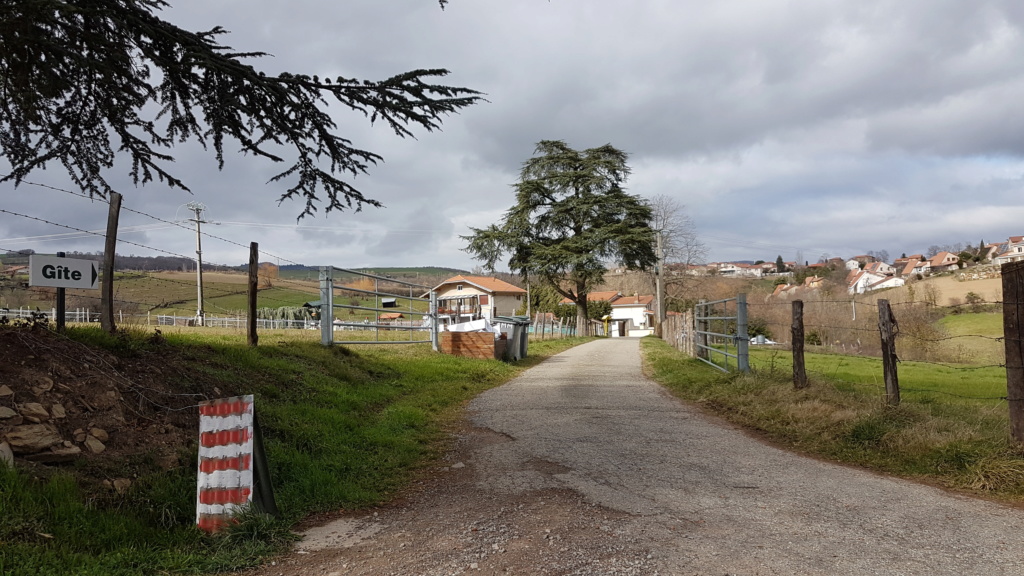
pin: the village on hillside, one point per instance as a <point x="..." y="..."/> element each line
<point x="865" y="273"/>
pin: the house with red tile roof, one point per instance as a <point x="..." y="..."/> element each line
<point x="464" y="298"/>
<point x="861" y="281"/>
<point x="911" y="267"/>
<point x="944" y="262"/>
<point x="880" y="268"/>
<point x="630" y="315"/>
<point x="636" y="312"/>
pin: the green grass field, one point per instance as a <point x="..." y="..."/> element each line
<point x="345" y="427"/>
<point x="974" y="338"/>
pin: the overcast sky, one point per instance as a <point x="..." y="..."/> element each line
<point x="792" y="128"/>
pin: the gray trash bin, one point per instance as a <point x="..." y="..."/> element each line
<point x="517" y="328"/>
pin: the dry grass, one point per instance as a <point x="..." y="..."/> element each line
<point x="951" y="428"/>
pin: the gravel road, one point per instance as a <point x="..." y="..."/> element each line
<point x="583" y="466"/>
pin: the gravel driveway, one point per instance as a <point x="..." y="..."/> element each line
<point x="583" y="466"/>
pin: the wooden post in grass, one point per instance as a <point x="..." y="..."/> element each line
<point x="109" y="249"/>
<point x="250" y="326"/>
<point x="1013" y="318"/>
<point x="799" y="372"/>
<point x="887" y="329"/>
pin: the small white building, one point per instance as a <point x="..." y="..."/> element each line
<point x="632" y="316"/>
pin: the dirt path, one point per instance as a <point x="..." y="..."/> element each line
<point x="582" y="466"/>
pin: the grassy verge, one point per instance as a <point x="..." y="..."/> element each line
<point x="344" y="428"/>
<point x="951" y="428"/>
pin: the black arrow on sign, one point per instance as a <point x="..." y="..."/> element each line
<point x="94" y="274"/>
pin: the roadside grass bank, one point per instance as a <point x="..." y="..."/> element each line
<point x="344" y="428"/>
<point x="951" y="428"/>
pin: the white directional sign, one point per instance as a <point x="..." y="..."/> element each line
<point x="62" y="272"/>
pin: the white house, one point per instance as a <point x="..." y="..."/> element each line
<point x="861" y="281"/>
<point x="465" y="298"/>
<point x="1014" y="251"/>
<point x="633" y="316"/>
<point x="880" y="268"/>
<point x="630" y="315"/>
<point x="944" y="261"/>
<point x="739" y="269"/>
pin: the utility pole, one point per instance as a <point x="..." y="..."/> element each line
<point x="198" y="208"/>
<point x="659" y="286"/>
<point x="527" y="294"/>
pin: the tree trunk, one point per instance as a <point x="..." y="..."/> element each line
<point x="582" y="321"/>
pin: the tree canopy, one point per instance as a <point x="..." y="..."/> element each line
<point x="83" y="82"/>
<point x="571" y="216"/>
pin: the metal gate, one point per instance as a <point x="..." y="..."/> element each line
<point x="420" y="300"/>
<point x="720" y="324"/>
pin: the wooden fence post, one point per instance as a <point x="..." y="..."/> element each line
<point x="254" y="254"/>
<point x="1013" y="317"/>
<point x="887" y="328"/>
<point x="799" y="372"/>
<point x="109" y="251"/>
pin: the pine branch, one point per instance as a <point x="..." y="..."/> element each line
<point x="76" y="77"/>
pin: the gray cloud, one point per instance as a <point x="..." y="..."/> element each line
<point x="837" y="126"/>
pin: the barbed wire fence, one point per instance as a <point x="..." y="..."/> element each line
<point x="843" y="332"/>
<point x="157" y="298"/>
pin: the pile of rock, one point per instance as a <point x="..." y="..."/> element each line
<point x="36" y="430"/>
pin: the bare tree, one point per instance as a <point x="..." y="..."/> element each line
<point x="679" y="245"/>
<point x="678" y="232"/>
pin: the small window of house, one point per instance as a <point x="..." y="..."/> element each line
<point x="459" y="287"/>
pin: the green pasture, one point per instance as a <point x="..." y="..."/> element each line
<point x="974" y="338"/>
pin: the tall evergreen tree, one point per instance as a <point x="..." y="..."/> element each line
<point x="571" y="216"/>
<point x="84" y="82"/>
<point x="780" y="264"/>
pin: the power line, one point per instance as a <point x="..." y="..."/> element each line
<point x="168" y="222"/>
<point x="91" y="233"/>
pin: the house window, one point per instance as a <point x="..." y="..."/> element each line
<point x="459" y="287"/>
<point x="484" y="300"/>
<point x="519" y="296"/>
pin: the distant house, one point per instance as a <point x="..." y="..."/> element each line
<point x="992" y="250"/>
<point x="740" y="270"/>
<point x="793" y="291"/>
<point x="912" y="267"/>
<point x="901" y="263"/>
<point x="635" y="313"/>
<point x="630" y="315"/>
<point x="861" y="281"/>
<point x="880" y="268"/>
<point x="1013" y="251"/>
<point x="464" y="298"/>
<point x="944" y="262"/>
<point x="389" y="317"/>
<point x="857" y="262"/>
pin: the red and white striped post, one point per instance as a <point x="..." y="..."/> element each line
<point x="225" y="482"/>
